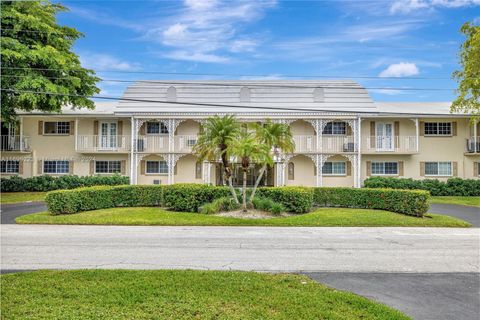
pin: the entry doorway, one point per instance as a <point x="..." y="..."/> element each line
<point x="252" y="175"/>
<point x="384" y="138"/>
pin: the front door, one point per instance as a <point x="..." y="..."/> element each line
<point x="384" y="138"/>
<point x="108" y="135"/>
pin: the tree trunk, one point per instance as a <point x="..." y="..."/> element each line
<point x="228" y="175"/>
<point x="257" y="182"/>
<point x="244" y="191"/>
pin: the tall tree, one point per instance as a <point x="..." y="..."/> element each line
<point x="468" y="99"/>
<point x="36" y="56"/>
<point x="276" y="137"/>
<point x="248" y="149"/>
<point x="215" y="137"/>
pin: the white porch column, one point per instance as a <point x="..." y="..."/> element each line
<point x="21" y="134"/>
<point x="417" y="134"/>
<point x="76" y="134"/>
<point x="475" y="134"/>
<point x="170" y="166"/>
<point x="171" y="125"/>
<point x="133" y="162"/>
<point x="359" y="152"/>
<point x="318" y="163"/>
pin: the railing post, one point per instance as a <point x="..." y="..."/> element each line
<point x="475" y="133"/>
<point x="21" y="133"/>
<point x="417" y="134"/>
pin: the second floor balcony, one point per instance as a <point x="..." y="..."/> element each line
<point x="99" y="143"/>
<point x="390" y="144"/>
<point x="160" y="143"/>
<point x="14" y="143"/>
<point x="473" y="145"/>
<point x="329" y="144"/>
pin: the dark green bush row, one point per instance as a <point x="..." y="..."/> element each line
<point x="190" y="197"/>
<point x="178" y="197"/>
<point x="48" y="183"/>
<point x="411" y="202"/>
<point x="294" y="199"/>
<point x="452" y="187"/>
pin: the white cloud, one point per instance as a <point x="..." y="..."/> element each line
<point x="407" y="6"/>
<point x="402" y="69"/>
<point x="203" y="29"/>
<point x="101" y="61"/>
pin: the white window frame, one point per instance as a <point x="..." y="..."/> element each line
<point x="159" y="166"/>
<point x="333" y="164"/>
<point x="160" y="126"/>
<point x="438" y="169"/>
<point x="56" y="128"/>
<point x="438" y="125"/>
<point x="383" y="164"/>
<point x="56" y="166"/>
<point x="8" y="165"/>
<point x="108" y="166"/>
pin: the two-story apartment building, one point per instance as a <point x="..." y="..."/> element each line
<point x="341" y="135"/>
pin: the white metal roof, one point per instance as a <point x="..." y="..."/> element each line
<point x="246" y="96"/>
<point x="252" y="96"/>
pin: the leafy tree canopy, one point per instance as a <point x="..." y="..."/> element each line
<point x="36" y="56"/>
<point x="468" y="78"/>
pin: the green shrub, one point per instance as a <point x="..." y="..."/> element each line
<point x="102" y="197"/>
<point x="411" y="202"/>
<point x="266" y="204"/>
<point x="189" y="196"/>
<point x="217" y="205"/>
<point x="452" y="187"/>
<point x="276" y="208"/>
<point x="294" y="199"/>
<point x="49" y="183"/>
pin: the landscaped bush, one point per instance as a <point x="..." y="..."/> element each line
<point x="189" y="196"/>
<point x="452" y="187"/>
<point x="217" y="205"/>
<point x="411" y="202"/>
<point x="102" y="197"/>
<point x="48" y="183"/>
<point x="268" y="205"/>
<point x="294" y="199"/>
<point x="211" y="199"/>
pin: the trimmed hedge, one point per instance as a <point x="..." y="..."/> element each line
<point x="411" y="202"/>
<point x="452" y="187"/>
<point x="294" y="199"/>
<point x="48" y="183"/>
<point x="190" y="197"/>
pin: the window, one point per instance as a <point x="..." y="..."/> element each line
<point x="198" y="170"/>
<point x="438" y="168"/>
<point x="156" y="128"/>
<point x="334" y="168"/>
<point x="56" y="166"/>
<point x="384" y="168"/>
<point x="60" y="127"/>
<point x="291" y="171"/>
<point x="157" y="167"/>
<point x="336" y="127"/>
<point x="108" y="166"/>
<point x="438" y="128"/>
<point x="9" y="166"/>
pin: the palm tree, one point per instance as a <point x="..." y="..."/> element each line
<point x="215" y="137"/>
<point x="247" y="149"/>
<point x="276" y="137"/>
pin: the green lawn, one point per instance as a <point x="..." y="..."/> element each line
<point x="324" y="217"/>
<point x="181" y="294"/>
<point x="465" y="201"/>
<point x="15" y="197"/>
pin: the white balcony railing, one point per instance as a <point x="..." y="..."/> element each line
<point x="14" y="143"/>
<point x="98" y="143"/>
<point x="152" y="143"/>
<point x="328" y="144"/>
<point x="473" y="144"/>
<point x="402" y="144"/>
<point x="185" y="143"/>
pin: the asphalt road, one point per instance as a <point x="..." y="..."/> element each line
<point x="423" y="296"/>
<point x="11" y="211"/>
<point x="467" y="213"/>
<point x="241" y="248"/>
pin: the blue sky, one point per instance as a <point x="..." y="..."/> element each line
<point x="391" y="41"/>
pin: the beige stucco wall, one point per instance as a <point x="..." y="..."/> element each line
<point x="304" y="172"/>
<point x="302" y="128"/>
<point x="186" y="170"/>
<point x="188" y="128"/>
